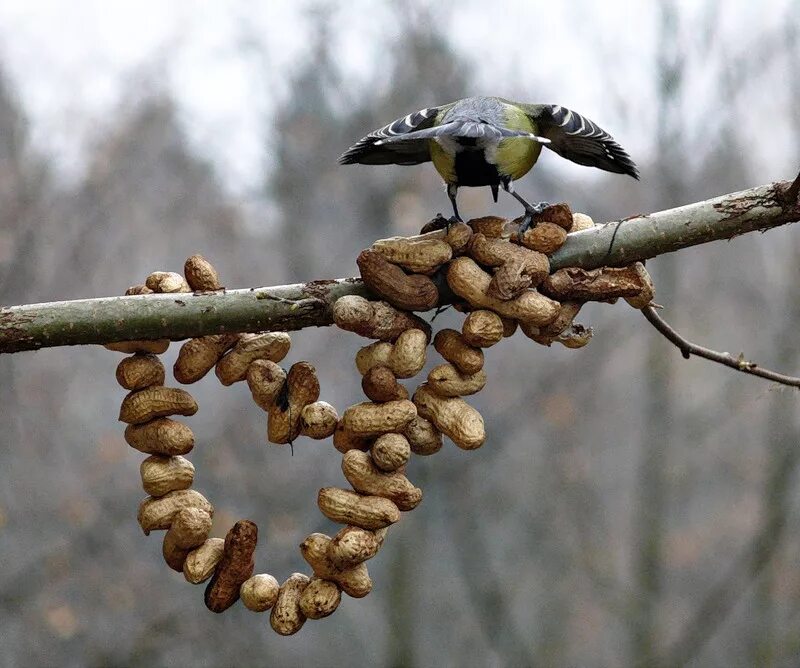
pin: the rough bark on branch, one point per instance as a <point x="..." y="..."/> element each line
<point x="292" y="307"/>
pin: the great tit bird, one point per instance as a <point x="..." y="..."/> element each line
<point x="489" y="141"/>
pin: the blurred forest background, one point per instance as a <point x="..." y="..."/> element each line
<point x="629" y="507"/>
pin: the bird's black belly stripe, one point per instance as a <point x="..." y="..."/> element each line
<point x="473" y="170"/>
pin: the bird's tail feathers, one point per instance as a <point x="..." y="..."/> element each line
<point x="464" y="129"/>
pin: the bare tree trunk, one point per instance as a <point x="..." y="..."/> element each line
<point x="650" y="513"/>
<point x="659" y="409"/>
<point x="402" y="623"/>
<point x="780" y="433"/>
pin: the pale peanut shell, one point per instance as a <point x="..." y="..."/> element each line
<point x="272" y="346"/>
<point x="369" y="419"/>
<point x="201" y="562"/>
<point x="453" y="417"/>
<point x="366" y="478"/>
<point x="161" y="436"/>
<point x="354" y="581"/>
<point x="156" y="401"/>
<point x="161" y="475"/>
<point x="318" y="420"/>
<point x="259" y="592"/>
<point x="347" y="507"/>
<point x="158" y="513"/>
<point x="352" y="546"/>
<point x="390" y="452"/>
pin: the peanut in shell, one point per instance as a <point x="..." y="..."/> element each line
<point x="139" y="371"/>
<point x="366" y="478"/>
<point x="189" y="529"/>
<point x="454" y="417"/>
<point x="407" y="356"/>
<point x="375" y="319"/>
<point x="285" y="414"/>
<point x="265" y="380"/>
<point x="318" y="420"/>
<point x="560" y="214"/>
<point x="423" y="437"/>
<point x="482" y="328"/>
<point x="451" y="345"/>
<point x="161" y="475"/>
<point x="422" y="254"/>
<point x="380" y="385"/>
<point x="409" y="292"/>
<point x="352" y="546"/>
<point x="470" y="282"/>
<point x="259" y="592"/>
<point x="202" y="561"/>
<point x="286" y="617"/>
<point x="167" y="282"/>
<point x="390" y="452"/>
<point x="369" y="419"/>
<point x="375" y="354"/>
<point x="156" y="401"/>
<point x="320" y="598"/>
<point x="161" y="436"/>
<point x="347" y="507"/>
<point x="353" y="581"/>
<point x="158" y="512"/>
<point x="272" y="346"/>
<point x="545" y="237"/>
<point x="201" y="275"/>
<point x="198" y="356"/>
<point x="492" y="227"/>
<point x="235" y="567"/>
<point x="447" y="381"/>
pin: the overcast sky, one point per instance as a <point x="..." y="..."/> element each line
<point x="73" y="59"/>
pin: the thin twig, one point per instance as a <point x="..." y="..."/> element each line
<point x="688" y="349"/>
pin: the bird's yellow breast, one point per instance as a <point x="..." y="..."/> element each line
<point x="515" y="156"/>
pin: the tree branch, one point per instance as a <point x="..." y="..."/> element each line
<point x="792" y="193"/>
<point x="292" y="307"/>
<point x="688" y="349"/>
<point x="174" y="316"/>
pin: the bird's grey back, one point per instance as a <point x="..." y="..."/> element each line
<point x="481" y="109"/>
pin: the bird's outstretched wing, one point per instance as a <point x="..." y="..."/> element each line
<point x="374" y="149"/>
<point x="579" y="139"/>
<point x="467" y="130"/>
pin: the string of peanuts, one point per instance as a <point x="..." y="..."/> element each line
<point x="376" y="437"/>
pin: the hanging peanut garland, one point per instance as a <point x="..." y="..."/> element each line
<point x="501" y="282"/>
